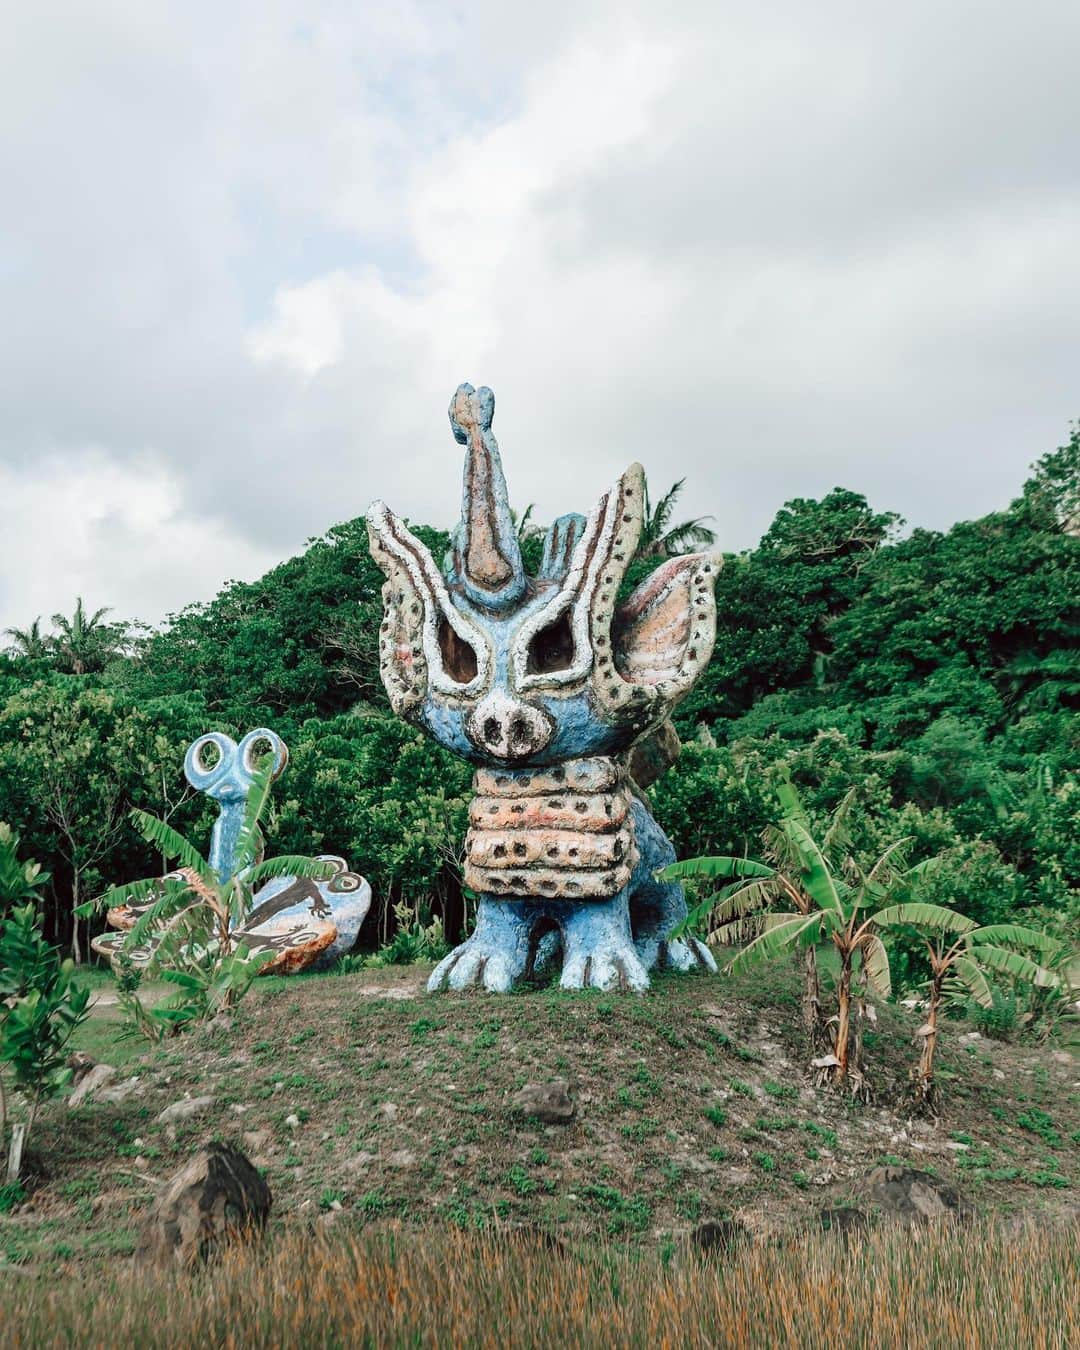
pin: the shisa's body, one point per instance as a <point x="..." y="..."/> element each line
<point x="545" y="686"/>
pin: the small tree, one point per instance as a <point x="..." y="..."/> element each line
<point x="958" y="947"/>
<point x="40" y="1002"/>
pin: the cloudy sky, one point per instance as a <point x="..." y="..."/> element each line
<point x="247" y="252"/>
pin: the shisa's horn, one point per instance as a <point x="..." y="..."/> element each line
<point x="488" y="559"/>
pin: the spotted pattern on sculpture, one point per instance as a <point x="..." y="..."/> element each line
<point x="548" y="687"/>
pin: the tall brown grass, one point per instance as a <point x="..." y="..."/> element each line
<point x="972" y="1287"/>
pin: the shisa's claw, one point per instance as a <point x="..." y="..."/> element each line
<point x="475" y="963"/>
<point x="687" y="954"/>
<point x="613" y="967"/>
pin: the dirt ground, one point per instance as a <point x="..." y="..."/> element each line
<point x="369" y="1102"/>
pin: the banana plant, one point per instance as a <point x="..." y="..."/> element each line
<point x="829" y="897"/>
<point x="735" y="913"/>
<point x="958" y="948"/>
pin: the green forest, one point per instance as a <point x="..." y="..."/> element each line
<point x="936" y="672"/>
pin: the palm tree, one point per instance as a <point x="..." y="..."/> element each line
<point x="84" y="643"/>
<point x="661" y="539"/>
<point x="958" y="947"/>
<point x="30" y="643"/>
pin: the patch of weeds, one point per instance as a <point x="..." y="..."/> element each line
<point x="301" y="1037"/>
<point x="718" y="1155"/>
<point x="776" y="1124"/>
<point x="517" y="1179"/>
<point x="1038" y="1122"/>
<point x="782" y="1090"/>
<point x="812" y="1153"/>
<point x="647" y="1081"/>
<point x="821" y="1132"/>
<point x="765" y="1161"/>
<point x="640" y="1130"/>
<point x="330" y="1198"/>
<point x="689" y="1206"/>
<point x="375" y="1204"/>
<point x="743" y="1089"/>
<point x="538" y="1157"/>
<point x="11" y="1195"/>
<point x="979" y="1157"/>
<point x="625" y="1213"/>
<point x="960" y="1137"/>
<point x="801" y="1180"/>
<point x="1048" y="1178"/>
<point x="715" y="1115"/>
<point x="423" y="1027"/>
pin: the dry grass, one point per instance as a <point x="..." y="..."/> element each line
<point x="946" y="1287"/>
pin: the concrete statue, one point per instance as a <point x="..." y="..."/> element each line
<point x="545" y="684"/>
<point x="300" y="922"/>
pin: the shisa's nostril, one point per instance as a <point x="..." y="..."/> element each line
<point x="492" y="730"/>
<point x="520" y="731"/>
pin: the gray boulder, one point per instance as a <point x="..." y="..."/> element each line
<point x="549" y="1103"/>
<point x="911" y="1196"/>
<point x="216" y="1198"/>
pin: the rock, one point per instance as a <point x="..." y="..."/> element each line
<point x="256" y="1140"/>
<point x="121" y="1092"/>
<point x="184" y="1110"/>
<point x="292" y="1122"/>
<point x="912" y="1196"/>
<point x="547" y="1102"/>
<point x="718" y="1237"/>
<point x="91" y="1082"/>
<point x="403" y="1158"/>
<point x="80" y="1064"/>
<point x="389" y="1110"/>
<point x="214" y="1199"/>
<point x="843" y="1219"/>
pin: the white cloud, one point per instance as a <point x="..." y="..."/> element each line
<point x="772" y="249"/>
<point x="126" y="527"/>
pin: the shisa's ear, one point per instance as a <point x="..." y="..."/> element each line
<point x="422" y="637"/>
<point x="663" y="635"/>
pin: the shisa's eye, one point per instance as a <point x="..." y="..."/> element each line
<point x="458" y="657"/>
<point x="552" y="648"/>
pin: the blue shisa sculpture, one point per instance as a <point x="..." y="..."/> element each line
<point x="545" y="683"/>
<point x="299" y="921"/>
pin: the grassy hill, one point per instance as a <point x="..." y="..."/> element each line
<point x="373" y="1105"/>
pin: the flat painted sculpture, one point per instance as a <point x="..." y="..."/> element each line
<point x="300" y="921"/>
<point x="546" y="686"/>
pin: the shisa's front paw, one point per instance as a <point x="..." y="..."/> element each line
<point x="475" y="963"/>
<point x="688" y="954"/>
<point x="609" y="966"/>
